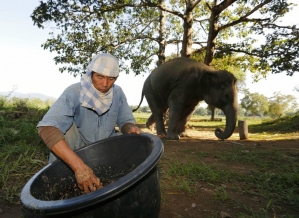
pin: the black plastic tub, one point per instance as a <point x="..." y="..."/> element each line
<point x="130" y="161"/>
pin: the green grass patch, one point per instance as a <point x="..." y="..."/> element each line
<point x="272" y="174"/>
<point x="286" y="124"/>
<point x="22" y="154"/>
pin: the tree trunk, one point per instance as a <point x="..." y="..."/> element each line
<point x="212" y="112"/>
<point x="162" y="41"/>
<point x="213" y="32"/>
<point x="187" y="36"/>
<point x="214" y="28"/>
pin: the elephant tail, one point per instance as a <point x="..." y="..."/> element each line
<point x="142" y="96"/>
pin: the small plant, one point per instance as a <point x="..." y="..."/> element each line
<point x="221" y="194"/>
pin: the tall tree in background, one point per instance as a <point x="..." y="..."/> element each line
<point x="255" y="103"/>
<point x="138" y="32"/>
<point x="276" y="106"/>
<point x="280" y="105"/>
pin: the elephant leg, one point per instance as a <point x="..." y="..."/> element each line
<point x="178" y="118"/>
<point x="160" y="127"/>
<point x="172" y="126"/>
<point x="150" y="122"/>
<point x="175" y="112"/>
<point x="183" y="134"/>
<point x="181" y="130"/>
<point x="184" y="121"/>
<point x="158" y="110"/>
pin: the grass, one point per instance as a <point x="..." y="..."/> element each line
<point x="271" y="175"/>
<point x="22" y="154"/>
<point x="274" y="175"/>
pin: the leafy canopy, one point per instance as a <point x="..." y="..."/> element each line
<point x="248" y="32"/>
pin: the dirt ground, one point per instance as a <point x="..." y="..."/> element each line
<point x="176" y="204"/>
<point x="202" y="204"/>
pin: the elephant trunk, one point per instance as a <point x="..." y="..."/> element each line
<point x="231" y="119"/>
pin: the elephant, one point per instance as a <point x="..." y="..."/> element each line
<point x="179" y="85"/>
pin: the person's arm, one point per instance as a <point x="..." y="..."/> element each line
<point x="86" y="179"/>
<point x="54" y="139"/>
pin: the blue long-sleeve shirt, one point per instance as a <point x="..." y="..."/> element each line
<point x="67" y="110"/>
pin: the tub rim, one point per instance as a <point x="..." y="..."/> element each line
<point x="31" y="204"/>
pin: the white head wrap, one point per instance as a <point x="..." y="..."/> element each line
<point x="104" y="64"/>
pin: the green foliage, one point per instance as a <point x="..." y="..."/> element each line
<point x="276" y="106"/>
<point x="2" y="102"/>
<point x="87" y="27"/>
<point x="200" y="111"/>
<point x="280" y="105"/>
<point x="141" y="109"/>
<point x="14" y="130"/>
<point x="141" y="117"/>
<point x="284" y="124"/>
<point x="256" y="103"/>
<point x="137" y="34"/>
<point x="19" y="104"/>
<point x="231" y="63"/>
<point x="24" y="104"/>
<point x="22" y="154"/>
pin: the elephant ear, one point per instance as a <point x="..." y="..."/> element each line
<point x="206" y="80"/>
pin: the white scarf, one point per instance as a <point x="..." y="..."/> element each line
<point x="90" y="97"/>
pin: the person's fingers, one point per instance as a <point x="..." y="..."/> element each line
<point x="86" y="189"/>
<point x="81" y="187"/>
<point x="135" y="130"/>
<point x="98" y="184"/>
<point x="92" y="188"/>
<point x="87" y="180"/>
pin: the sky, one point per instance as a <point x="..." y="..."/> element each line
<point x="26" y="68"/>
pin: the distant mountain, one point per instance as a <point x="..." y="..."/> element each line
<point x="27" y="95"/>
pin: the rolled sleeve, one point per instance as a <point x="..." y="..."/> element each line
<point x="60" y="114"/>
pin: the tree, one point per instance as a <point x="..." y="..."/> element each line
<point x="200" y="111"/>
<point x="138" y="32"/>
<point x="275" y="109"/>
<point x="280" y="105"/>
<point x="256" y="103"/>
<point x="241" y="111"/>
<point x="145" y="109"/>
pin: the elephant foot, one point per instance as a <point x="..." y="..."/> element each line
<point x="183" y="134"/>
<point x="173" y="136"/>
<point x="161" y="136"/>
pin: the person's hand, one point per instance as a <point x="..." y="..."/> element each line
<point x="130" y="128"/>
<point x="87" y="180"/>
<point x="134" y="130"/>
